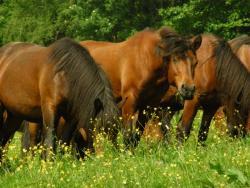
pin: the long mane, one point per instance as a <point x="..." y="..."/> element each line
<point x="233" y="79"/>
<point x="86" y="81"/>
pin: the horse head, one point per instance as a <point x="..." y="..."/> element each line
<point x="179" y="55"/>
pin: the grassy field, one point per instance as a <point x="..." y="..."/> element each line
<point x="223" y="163"/>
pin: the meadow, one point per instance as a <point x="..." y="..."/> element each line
<point x="224" y="162"/>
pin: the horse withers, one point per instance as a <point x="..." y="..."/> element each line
<point x="142" y="68"/>
<point x="42" y="84"/>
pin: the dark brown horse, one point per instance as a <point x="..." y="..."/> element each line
<point x="220" y="79"/>
<point x="142" y="68"/>
<point x="41" y="84"/>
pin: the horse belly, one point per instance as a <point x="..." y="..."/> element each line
<point x="26" y="112"/>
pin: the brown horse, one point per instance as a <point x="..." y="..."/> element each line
<point x="142" y="68"/>
<point x="238" y="124"/>
<point x="220" y="79"/>
<point x="41" y="84"/>
<point x="215" y="59"/>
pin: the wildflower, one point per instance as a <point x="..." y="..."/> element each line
<point x="24" y="150"/>
<point x="124" y="181"/>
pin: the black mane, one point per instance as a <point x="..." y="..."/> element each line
<point x="86" y="81"/>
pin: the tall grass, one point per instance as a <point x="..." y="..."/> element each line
<point x="224" y="162"/>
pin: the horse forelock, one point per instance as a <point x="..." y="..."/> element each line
<point x="86" y="81"/>
<point x="173" y="42"/>
<point x="232" y="78"/>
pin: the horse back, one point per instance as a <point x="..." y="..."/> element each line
<point x="129" y="63"/>
<point x="92" y="45"/>
<point x="109" y="56"/>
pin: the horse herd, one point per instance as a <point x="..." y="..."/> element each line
<point x="67" y="90"/>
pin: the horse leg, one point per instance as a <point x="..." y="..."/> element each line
<point x="1" y="115"/>
<point x="231" y="122"/>
<point x="128" y="112"/>
<point x="67" y="133"/>
<point x="84" y="141"/>
<point x="31" y="136"/>
<point x="205" y="124"/>
<point x="25" y="141"/>
<point x="140" y="126"/>
<point x="234" y="123"/>
<point x="189" y="112"/>
<point x="166" y="123"/>
<point x="49" y="121"/>
<point x="10" y="126"/>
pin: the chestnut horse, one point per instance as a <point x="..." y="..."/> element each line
<point x="41" y="84"/>
<point x="142" y="68"/>
<point x="220" y="79"/>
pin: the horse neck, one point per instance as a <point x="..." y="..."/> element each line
<point x="205" y="70"/>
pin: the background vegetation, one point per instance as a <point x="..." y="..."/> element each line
<point x="223" y="163"/>
<point x="45" y="21"/>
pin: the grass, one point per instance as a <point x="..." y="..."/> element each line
<point x="223" y="163"/>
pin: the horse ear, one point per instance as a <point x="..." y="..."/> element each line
<point x="161" y="50"/>
<point x="196" y="43"/>
<point x="98" y="105"/>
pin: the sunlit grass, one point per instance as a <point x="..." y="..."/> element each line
<point x="224" y="162"/>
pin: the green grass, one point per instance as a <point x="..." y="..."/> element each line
<point x="223" y="163"/>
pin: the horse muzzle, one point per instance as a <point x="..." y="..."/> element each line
<point x="187" y="92"/>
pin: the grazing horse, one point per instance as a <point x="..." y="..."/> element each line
<point x="220" y="79"/>
<point x="238" y="124"/>
<point x="42" y="84"/>
<point x="142" y="68"/>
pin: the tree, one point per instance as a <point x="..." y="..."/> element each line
<point x="226" y="18"/>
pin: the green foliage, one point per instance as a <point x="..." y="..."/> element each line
<point x="48" y="20"/>
<point x="227" y="18"/>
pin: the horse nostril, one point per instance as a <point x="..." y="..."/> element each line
<point x="182" y="86"/>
